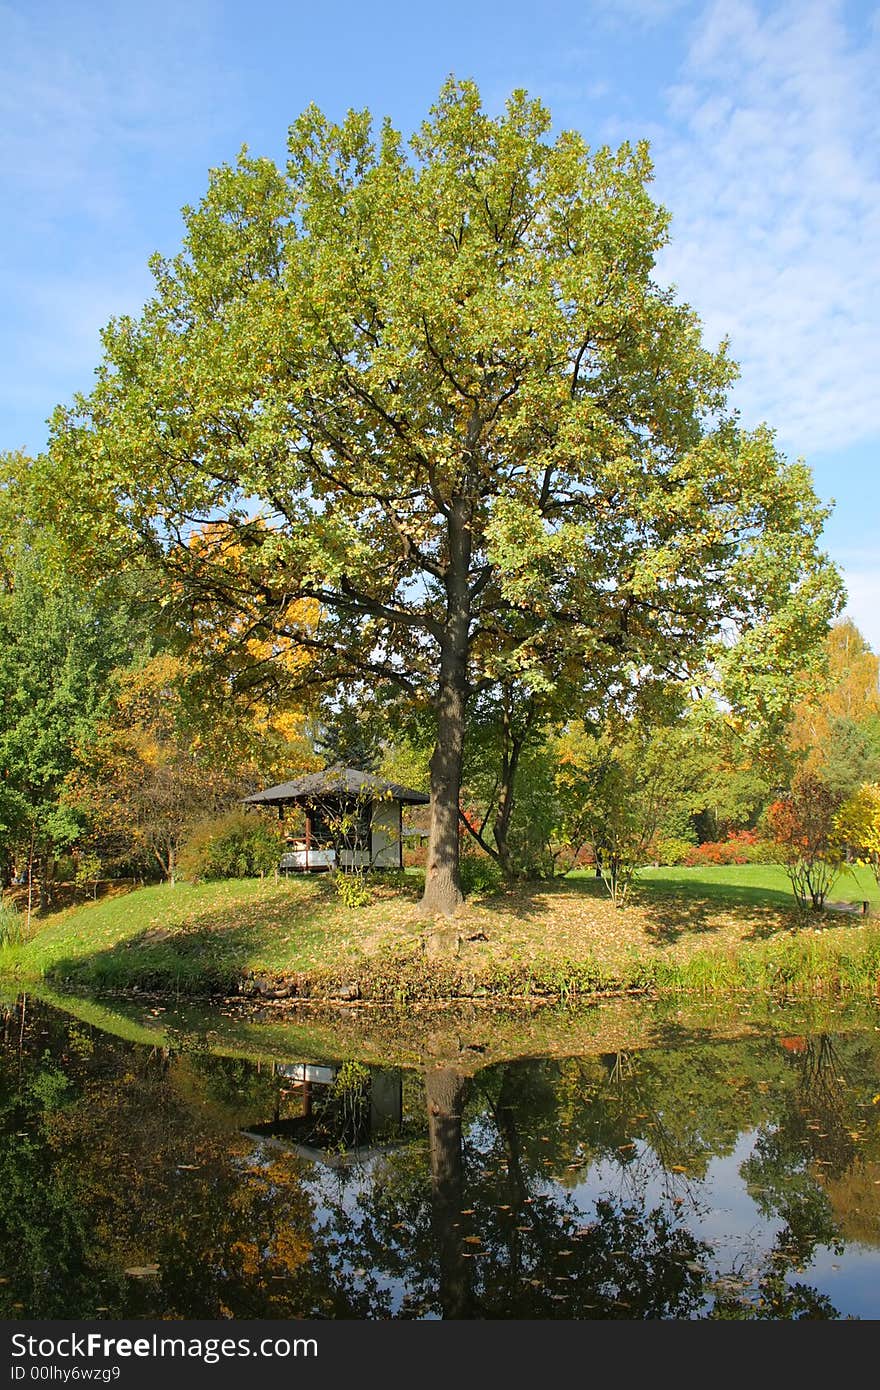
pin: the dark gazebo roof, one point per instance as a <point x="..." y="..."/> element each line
<point x="335" y="782"/>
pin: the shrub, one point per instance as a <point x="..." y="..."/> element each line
<point x="671" y="849"/>
<point x="740" y="847"/>
<point x="715" y="852"/>
<point x="479" y="874"/>
<point x="351" y="888"/>
<point x="232" y="846"/>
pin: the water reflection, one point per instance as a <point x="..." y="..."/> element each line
<point x="698" y="1180"/>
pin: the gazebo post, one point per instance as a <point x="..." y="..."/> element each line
<point x="308" y="837"/>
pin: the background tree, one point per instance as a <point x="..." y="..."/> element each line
<point x="59" y="643"/>
<point x="835" y="730"/>
<point x="347" y="736"/>
<point x="148" y="774"/>
<point x="614" y="792"/>
<point x="482" y="438"/>
<point x="857" y="826"/>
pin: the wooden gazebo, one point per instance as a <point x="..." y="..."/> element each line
<point x="352" y="819"/>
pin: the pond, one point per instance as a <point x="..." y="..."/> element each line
<point x="178" y="1173"/>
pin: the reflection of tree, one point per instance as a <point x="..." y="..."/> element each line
<point x="444" y="1092"/>
<point x="483" y="1233"/>
<point x="774" y="1299"/>
<point x="117" y="1163"/>
<point x="811" y="1140"/>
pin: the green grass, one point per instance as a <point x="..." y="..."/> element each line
<point x="186" y="936"/>
<point x="701" y="931"/>
<point x="753" y="883"/>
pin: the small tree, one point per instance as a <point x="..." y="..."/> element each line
<point x="803" y="828"/>
<point x="88" y="873"/>
<point x="613" y="792"/>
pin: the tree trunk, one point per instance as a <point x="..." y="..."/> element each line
<point x="30" y="881"/>
<point x="511" y="747"/>
<point x="443" y="895"/>
<point x="501" y="824"/>
<point x="45" y="882"/>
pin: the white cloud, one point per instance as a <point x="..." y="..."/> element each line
<point x="770" y="168"/>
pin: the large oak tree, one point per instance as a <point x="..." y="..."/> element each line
<point x="436" y="389"/>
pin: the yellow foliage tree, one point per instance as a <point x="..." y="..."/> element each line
<point x="857" y="825"/>
<point x="849" y="689"/>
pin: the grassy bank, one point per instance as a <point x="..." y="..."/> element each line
<point x="706" y="931"/>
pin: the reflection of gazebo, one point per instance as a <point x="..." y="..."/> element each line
<point x="352" y="819"/>
<point x="327" y="1129"/>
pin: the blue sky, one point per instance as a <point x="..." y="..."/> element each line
<point x="763" y="121"/>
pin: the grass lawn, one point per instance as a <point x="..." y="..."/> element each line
<point x="753" y="883"/>
<point x="684" y="928"/>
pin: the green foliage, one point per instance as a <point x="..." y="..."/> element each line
<point x="235" y="845"/>
<point x="613" y="792"/>
<point x="670" y="849"/>
<point x="345" y="738"/>
<point x="88" y="872"/>
<point x="480" y="874"/>
<point x="58" y="645"/>
<point x="850" y="755"/>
